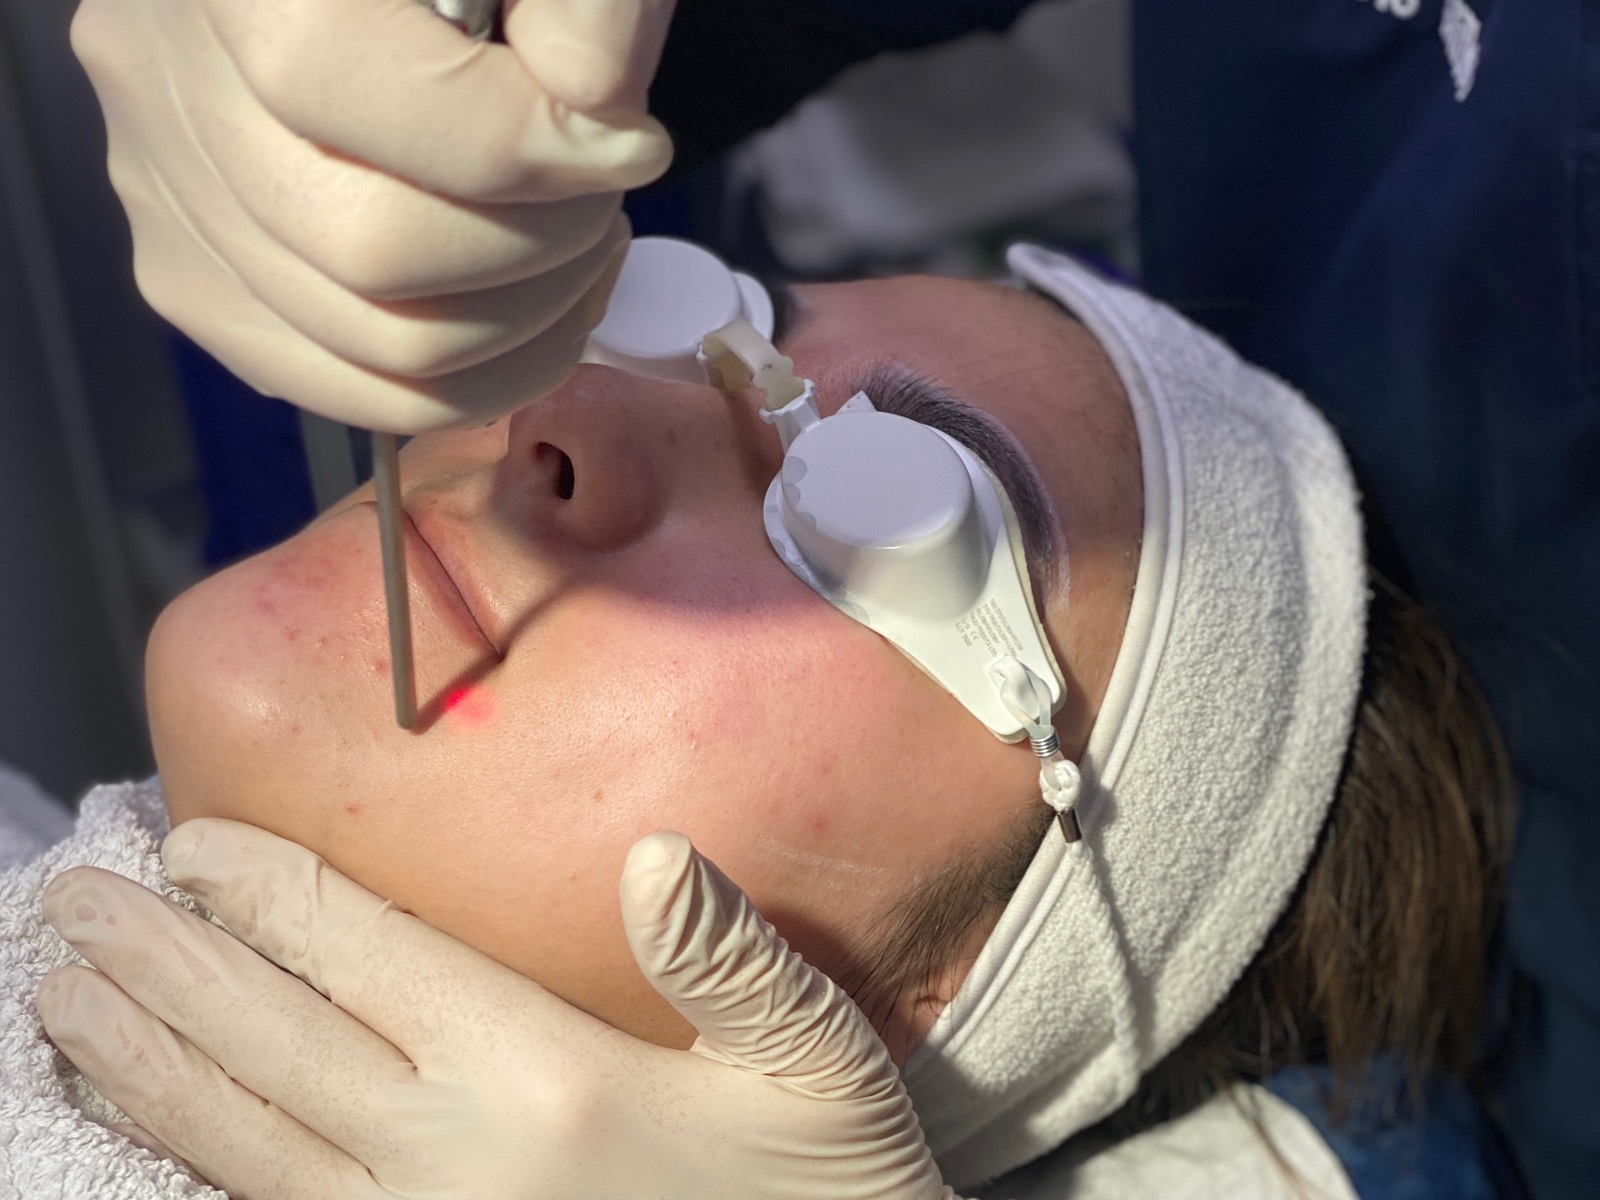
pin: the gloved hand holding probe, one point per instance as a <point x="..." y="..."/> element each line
<point x="356" y="207"/>
<point x="425" y="1069"/>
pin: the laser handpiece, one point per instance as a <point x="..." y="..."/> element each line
<point x="476" y="19"/>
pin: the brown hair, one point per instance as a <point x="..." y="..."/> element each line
<point x="1384" y="946"/>
<point x="922" y="935"/>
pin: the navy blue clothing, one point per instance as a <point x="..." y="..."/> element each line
<point x="1393" y="1150"/>
<point x="730" y="67"/>
<point x="1427" y="269"/>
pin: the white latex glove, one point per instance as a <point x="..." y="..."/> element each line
<point x="355" y="207"/>
<point x="431" y="1071"/>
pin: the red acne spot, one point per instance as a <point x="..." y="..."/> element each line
<point x="820" y="824"/>
<point x="380" y="666"/>
<point x="471" y="707"/>
<point x="266" y="606"/>
<point x="291" y="635"/>
<point x="352" y="809"/>
<point x="294" y="729"/>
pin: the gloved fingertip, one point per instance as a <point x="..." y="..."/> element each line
<point x="659" y="895"/>
<point x="64" y="997"/>
<point x="54" y="991"/>
<point x="74" y="901"/>
<point x="179" y="847"/>
<point x="656" y="865"/>
<point x="201" y="848"/>
<point x="581" y="74"/>
<point x="51" y="898"/>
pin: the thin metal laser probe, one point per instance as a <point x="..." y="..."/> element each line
<point x="392" y="538"/>
<point x="476" y="19"/>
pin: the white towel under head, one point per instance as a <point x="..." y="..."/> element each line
<point x="1210" y="767"/>
<point x="53" y="1140"/>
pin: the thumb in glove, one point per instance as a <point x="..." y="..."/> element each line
<point x="758" y="1006"/>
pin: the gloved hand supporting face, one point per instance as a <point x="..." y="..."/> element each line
<point x="402" y="1062"/>
<point x="354" y="207"/>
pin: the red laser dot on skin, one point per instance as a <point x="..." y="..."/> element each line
<point x="469" y="706"/>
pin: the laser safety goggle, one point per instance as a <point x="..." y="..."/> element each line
<point x="896" y="524"/>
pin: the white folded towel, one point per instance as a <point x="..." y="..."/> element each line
<point x="1243" y="1145"/>
<point x="53" y="1142"/>
<point x="1210" y="767"/>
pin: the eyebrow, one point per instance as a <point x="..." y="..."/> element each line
<point x="898" y="389"/>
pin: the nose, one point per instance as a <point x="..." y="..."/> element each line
<point x="595" y="465"/>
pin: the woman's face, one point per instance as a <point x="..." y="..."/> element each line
<point x="606" y="645"/>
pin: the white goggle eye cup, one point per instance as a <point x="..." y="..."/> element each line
<point x="669" y="296"/>
<point x="901" y="527"/>
<point x="884" y="508"/>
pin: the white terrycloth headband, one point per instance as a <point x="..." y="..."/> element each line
<point x="1210" y="767"/>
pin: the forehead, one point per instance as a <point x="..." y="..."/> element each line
<point x="1018" y="355"/>
<point x="961" y="330"/>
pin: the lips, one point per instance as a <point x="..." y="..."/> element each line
<point x="426" y="565"/>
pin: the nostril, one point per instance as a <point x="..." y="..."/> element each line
<point x="555" y="461"/>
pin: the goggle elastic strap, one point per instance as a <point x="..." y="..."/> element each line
<point x="1028" y="700"/>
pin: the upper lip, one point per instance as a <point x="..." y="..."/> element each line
<point x="441" y="552"/>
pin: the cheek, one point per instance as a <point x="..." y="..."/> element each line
<point x="815" y="763"/>
<point x="270" y="684"/>
<point x="241" y="672"/>
<point x="789" y="760"/>
<point x="818" y="767"/>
